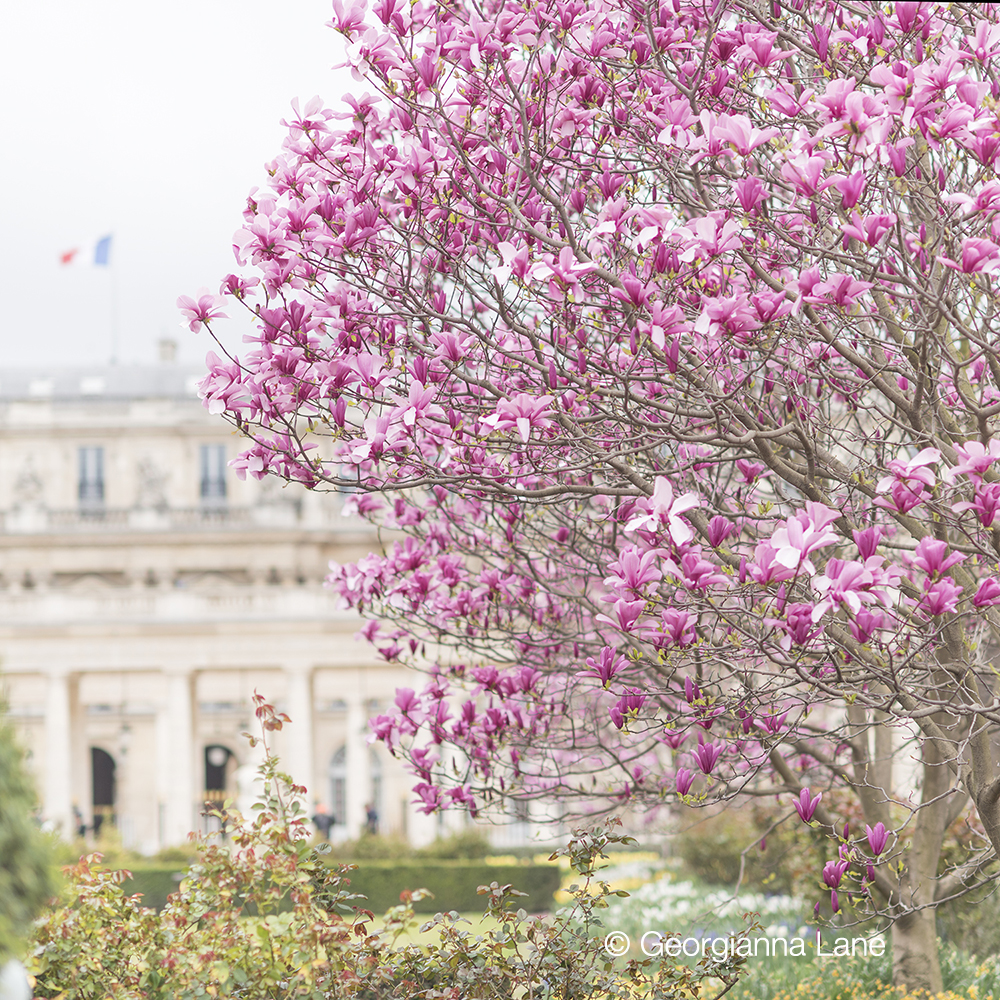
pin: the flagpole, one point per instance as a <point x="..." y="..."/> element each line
<point x="103" y="257"/>
<point x="114" y="310"/>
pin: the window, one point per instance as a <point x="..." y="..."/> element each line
<point x="213" y="473"/>
<point x="375" y="766"/>
<point x="338" y="787"/>
<point x="90" y="485"/>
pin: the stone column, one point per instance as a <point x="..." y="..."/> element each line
<point x="175" y="758"/>
<point x="299" y="739"/>
<point x="58" y="751"/>
<point x="358" y="776"/>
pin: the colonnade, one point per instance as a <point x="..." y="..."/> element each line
<point x="178" y="768"/>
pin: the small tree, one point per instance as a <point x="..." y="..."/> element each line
<point x="663" y="332"/>
<point x="26" y="876"/>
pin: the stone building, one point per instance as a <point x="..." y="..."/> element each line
<point x="146" y="593"/>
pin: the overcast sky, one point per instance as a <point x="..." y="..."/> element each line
<point x="151" y="122"/>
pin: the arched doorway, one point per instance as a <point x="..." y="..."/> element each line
<point x="220" y="769"/>
<point x="219" y="784"/>
<point x="103" y="788"/>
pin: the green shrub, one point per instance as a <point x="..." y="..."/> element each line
<point x="26" y="872"/>
<point x="178" y="855"/>
<point x="718" y="847"/>
<point x="100" y="944"/>
<point x="972" y="921"/>
<point x="109" y="845"/>
<point x="372" y="847"/>
<point x="467" y="845"/>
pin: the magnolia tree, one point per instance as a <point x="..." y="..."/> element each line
<point x="660" y="337"/>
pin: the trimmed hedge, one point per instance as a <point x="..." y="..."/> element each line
<point x="453" y="883"/>
<point x="155" y="884"/>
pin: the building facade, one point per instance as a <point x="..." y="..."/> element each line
<point x="146" y="594"/>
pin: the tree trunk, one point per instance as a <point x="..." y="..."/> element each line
<point x="915" y="952"/>
<point x="914" y="934"/>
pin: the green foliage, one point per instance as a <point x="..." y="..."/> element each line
<point x="862" y="978"/>
<point x="109" y="845"/>
<point x="466" y="845"/>
<point x="224" y="933"/>
<point x="178" y="855"/>
<point x="972" y="921"/>
<point x="372" y="847"/>
<point x="746" y="846"/>
<point x="806" y="978"/>
<point x="26" y="872"/>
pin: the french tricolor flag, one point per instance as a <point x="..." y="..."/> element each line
<point x="100" y="255"/>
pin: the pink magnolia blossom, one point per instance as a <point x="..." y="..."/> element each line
<point x="678" y="627"/>
<point x="697" y="573"/>
<point x="869" y="230"/>
<point x="852" y="584"/>
<point x="737" y="131"/>
<point x="719" y="529"/>
<point x="940" y="598"/>
<point x="979" y="255"/>
<point x="428" y="798"/>
<point x="627" y="614"/>
<point x="634" y="572"/>
<point x="833" y="872"/>
<point x="931" y="556"/>
<point x="692" y="692"/>
<point x="987" y="594"/>
<point x="799" y="626"/>
<point x="772" y="724"/>
<point x="627" y="708"/>
<point x="706" y="755"/>
<point x="974" y="459"/>
<point x="200" y="311"/>
<point x="606" y="667"/>
<point x="663" y="508"/>
<point x="865" y="624"/>
<point x="802" y="535"/>
<point x="850" y="188"/>
<point x="839" y="290"/>
<point x="867" y="541"/>
<point x="909" y="481"/>
<point x="805" y="804"/>
<point x="523" y="412"/>
<point x="877" y="838"/>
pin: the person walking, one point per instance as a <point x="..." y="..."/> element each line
<point x="322" y="820"/>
